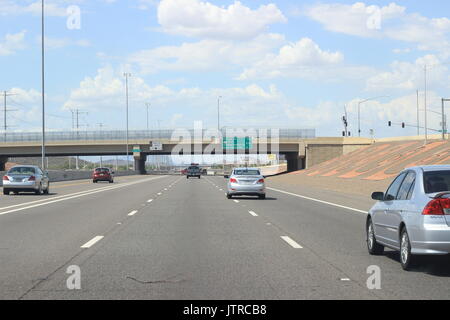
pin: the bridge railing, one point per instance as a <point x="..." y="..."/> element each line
<point x="51" y="136"/>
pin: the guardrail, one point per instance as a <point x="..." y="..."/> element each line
<point x="285" y="134"/>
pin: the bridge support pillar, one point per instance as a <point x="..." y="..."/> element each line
<point x="139" y="163"/>
<point x="3" y="161"/>
<point x="294" y="162"/>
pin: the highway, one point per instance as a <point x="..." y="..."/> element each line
<point x="167" y="237"/>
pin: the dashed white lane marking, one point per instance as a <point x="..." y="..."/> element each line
<point x="253" y="213"/>
<point x="345" y="279"/>
<point x="320" y="201"/>
<point x="150" y="200"/>
<point x="237" y="201"/>
<point x="26" y="206"/>
<point x="132" y="213"/>
<point x="291" y="242"/>
<point x="159" y="193"/>
<point x="90" y="243"/>
<point x="165" y="189"/>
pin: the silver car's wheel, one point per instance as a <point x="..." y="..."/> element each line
<point x="39" y="191"/>
<point x="405" y="250"/>
<point x="372" y="245"/>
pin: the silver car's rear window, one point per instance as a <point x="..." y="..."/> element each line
<point x="22" y="170"/>
<point x="246" y="172"/>
<point x="436" y="181"/>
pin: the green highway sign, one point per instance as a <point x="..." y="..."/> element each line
<point x="236" y="143"/>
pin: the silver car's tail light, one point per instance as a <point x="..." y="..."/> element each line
<point x="233" y="180"/>
<point x="5" y="178"/>
<point x="261" y="181"/>
<point x="437" y="207"/>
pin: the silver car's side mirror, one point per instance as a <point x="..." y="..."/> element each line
<point x="226" y="176"/>
<point x="379" y="196"/>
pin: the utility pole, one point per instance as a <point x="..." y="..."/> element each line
<point x="5" y="111"/>
<point x="418" y="122"/>
<point x="425" y="107"/>
<point x="76" y="125"/>
<point x="127" y="75"/>
<point x="101" y="125"/>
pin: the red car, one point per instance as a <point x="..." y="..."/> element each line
<point x="103" y="174"/>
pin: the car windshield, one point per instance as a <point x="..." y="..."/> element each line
<point x="246" y="172"/>
<point x="194" y="168"/>
<point x="101" y="170"/>
<point x="22" y="170"/>
<point x="437" y="181"/>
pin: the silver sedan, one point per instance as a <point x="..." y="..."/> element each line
<point x="26" y="179"/>
<point x="246" y="182"/>
<point x="413" y="216"/>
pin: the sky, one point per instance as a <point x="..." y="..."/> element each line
<point x="281" y="64"/>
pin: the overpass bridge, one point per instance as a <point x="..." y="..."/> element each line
<point x="298" y="146"/>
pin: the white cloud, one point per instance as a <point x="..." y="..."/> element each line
<point x="254" y="104"/>
<point x="12" y="43"/>
<point x="202" y="19"/>
<point x="410" y="76"/>
<point x="394" y="23"/>
<point x="56" y="8"/>
<point x="303" y="59"/>
<point x="205" y="55"/>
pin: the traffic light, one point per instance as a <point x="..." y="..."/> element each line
<point x="403" y="125"/>
<point x="390" y="123"/>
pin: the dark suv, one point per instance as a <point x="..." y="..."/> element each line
<point x="193" y="171"/>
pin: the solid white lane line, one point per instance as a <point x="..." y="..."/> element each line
<point x="73" y="196"/>
<point x="320" y="201"/>
<point x="253" y="213"/>
<point x="149" y="200"/>
<point x="90" y="243"/>
<point x="132" y="213"/>
<point x="291" y="242"/>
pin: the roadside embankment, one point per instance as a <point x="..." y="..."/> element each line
<point x="370" y="168"/>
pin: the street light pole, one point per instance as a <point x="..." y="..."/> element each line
<point x="359" y="111"/>
<point x="425" y="107"/>
<point x="444" y="121"/>
<point x="126" y="75"/>
<point x="218" y="113"/>
<point x="148" y="106"/>
<point x="43" y="85"/>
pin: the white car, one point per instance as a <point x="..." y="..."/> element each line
<point x="413" y="216"/>
<point x="26" y="179"/>
<point x="246" y="182"/>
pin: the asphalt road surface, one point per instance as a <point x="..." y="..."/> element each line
<point x="166" y="237"/>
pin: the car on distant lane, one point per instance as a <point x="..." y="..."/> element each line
<point x="26" y="179"/>
<point x="193" y="171"/>
<point x="246" y="182"/>
<point x="103" y="174"/>
<point x="413" y="215"/>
